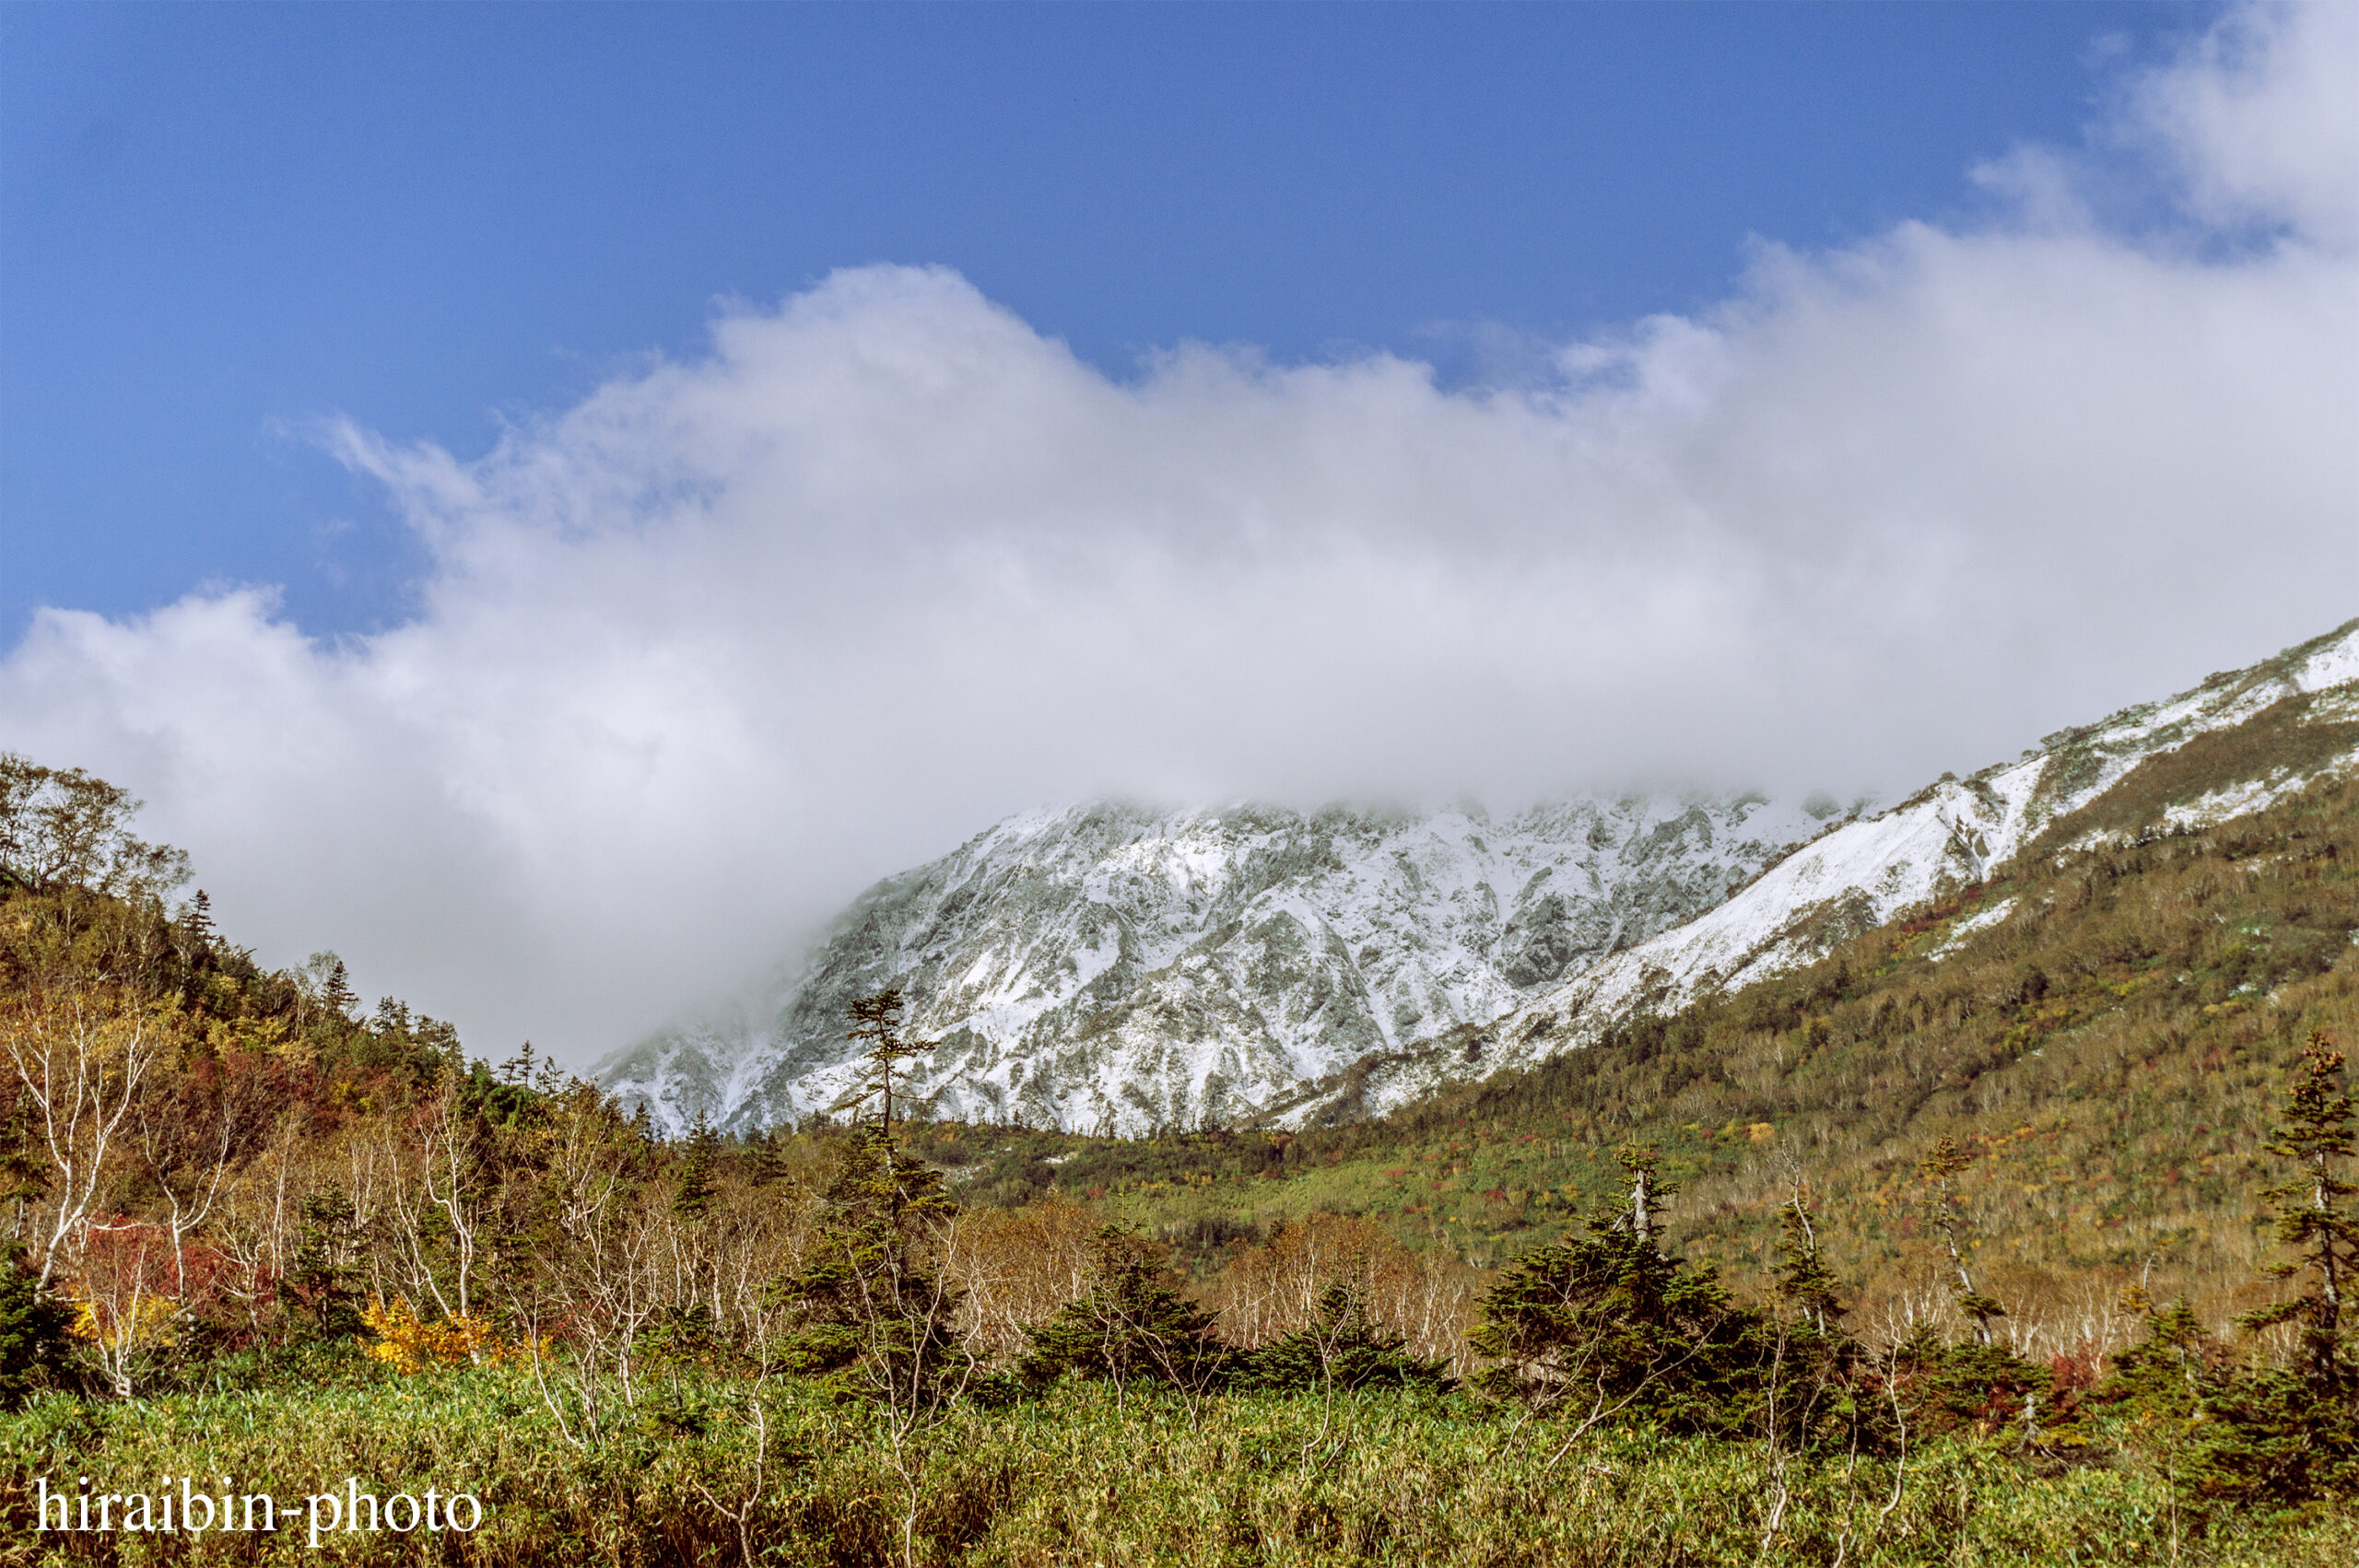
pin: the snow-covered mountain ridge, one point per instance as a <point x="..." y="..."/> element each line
<point x="1954" y="833"/>
<point x="1114" y="967"/>
<point x="1111" y="968"/>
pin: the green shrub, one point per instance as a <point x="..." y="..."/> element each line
<point x="1339" y="1348"/>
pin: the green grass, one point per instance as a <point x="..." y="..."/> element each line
<point x="1083" y="1478"/>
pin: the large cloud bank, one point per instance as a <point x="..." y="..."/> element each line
<point x="702" y="655"/>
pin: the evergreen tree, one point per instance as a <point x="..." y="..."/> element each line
<point x="697" y="1184"/>
<point x="2316" y="1218"/>
<point x="2288" y="1435"/>
<point x="2168" y="1371"/>
<point x="24" y="1173"/>
<point x="1341" y="1347"/>
<point x="2267" y="1443"/>
<point x="33" y="1340"/>
<point x="1982" y="1383"/>
<point x="1609" y="1325"/>
<point x="335" y="990"/>
<point x="1940" y="1168"/>
<point x="1984" y="1387"/>
<point x="1130" y="1328"/>
<point x="1815" y="1392"/>
<point x="871" y="1319"/>
<point x="877" y="1020"/>
<point x="765" y="1157"/>
<point x="197" y="928"/>
<point x="327" y="1251"/>
<point x="1805" y="1284"/>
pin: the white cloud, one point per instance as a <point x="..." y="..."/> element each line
<point x="703" y="654"/>
<point x="2263" y="119"/>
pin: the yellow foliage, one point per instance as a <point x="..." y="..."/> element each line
<point x="268" y="1037"/>
<point x="150" y="1322"/>
<point x="408" y="1343"/>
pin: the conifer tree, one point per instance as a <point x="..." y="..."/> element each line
<point x="2166" y="1370"/>
<point x="1130" y="1328"/>
<point x="2290" y="1434"/>
<point x="1982" y="1383"/>
<point x="1813" y="1385"/>
<point x="871" y="1318"/>
<point x="874" y="1318"/>
<point x="696" y="1185"/>
<point x="1612" y="1327"/>
<point x="24" y="1174"/>
<point x="1341" y="1347"/>
<point x="33" y="1343"/>
<point x="1804" y="1282"/>
<point x="197" y="922"/>
<point x="2316" y="1217"/>
<point x="335" y="990"/>
<point x="327" y="1254"/>
<point x="518" y="1069"/>
<point x="765" y="1157"/>
<point x="877" y="1020"/>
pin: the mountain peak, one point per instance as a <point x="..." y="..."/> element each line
<point x="1109" y="967"/>
<point x="1106" y="965"/>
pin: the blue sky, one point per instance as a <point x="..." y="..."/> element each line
<point x="219" y="225"/>
<point x="551" y="502"/>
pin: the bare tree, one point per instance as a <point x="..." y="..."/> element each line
<point x="599" y="1273"/>
<point x="191" y="1141"/>
<point x="127" y="1290"/>
<point x="1014" y="1267"/>
<point x="435" y="1199"/>
<point x="82" y="1056"/>
<point x="1940" y="1169"/>
<point x="254" y="1219"/>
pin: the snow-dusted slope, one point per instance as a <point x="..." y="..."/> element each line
<point x="1114" y="968"/>
<point x="1862" y="873"/>
<point x="1111" y="967"/>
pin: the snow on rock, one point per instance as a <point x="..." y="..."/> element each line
<point x="1953" y="834"/>
<point x="1981" y="921"/>
<point x="1112" y="967"/>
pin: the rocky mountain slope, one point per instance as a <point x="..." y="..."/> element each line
<point x="1110" y="967"/>
<point x="2237" y="742"/>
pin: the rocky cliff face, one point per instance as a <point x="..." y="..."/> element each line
<point x="1110" y="967"/>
